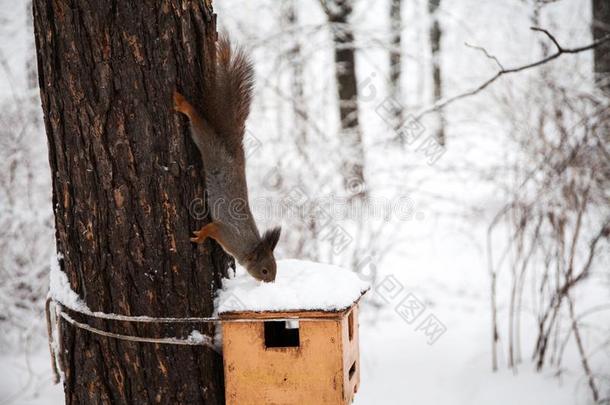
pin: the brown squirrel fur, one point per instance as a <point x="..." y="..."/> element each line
<point x="217" y="128"/>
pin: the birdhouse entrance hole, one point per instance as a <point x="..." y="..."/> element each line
<point x="352" y="370"/>
<point x="281" y="334"/>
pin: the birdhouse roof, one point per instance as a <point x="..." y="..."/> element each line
<point x="300" y="286"/>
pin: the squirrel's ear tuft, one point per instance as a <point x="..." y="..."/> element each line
<point x="271" y="237"/>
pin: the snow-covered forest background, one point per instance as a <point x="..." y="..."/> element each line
<point x="488" y="217"/>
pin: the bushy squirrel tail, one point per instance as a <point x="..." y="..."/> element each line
<point x="228" y="93"/>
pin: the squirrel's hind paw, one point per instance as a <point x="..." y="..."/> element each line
<point x="209" y="230"/>
<point x="198" y="237"/>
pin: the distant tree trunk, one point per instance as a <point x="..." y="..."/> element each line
<point x="305" y="232"/>
<point x="352" y="169"/>
<point x="420" y="48"/>
<point x="33" y="114"/>
<point x="601" y="28"/>
<point x="601" y="61"/>
<point x="30" y="63"/>
<point x="437" y="81"/>
<point x="396" y="59"/>
<point x="124" y="175"/>
<point x="290" y="20"/>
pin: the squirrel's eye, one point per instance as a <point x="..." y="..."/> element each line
<point x="265" y="271"/>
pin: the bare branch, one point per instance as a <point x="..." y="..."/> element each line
<point x="560" y="51"/>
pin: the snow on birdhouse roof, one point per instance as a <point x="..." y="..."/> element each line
<point x="299" y="286"/>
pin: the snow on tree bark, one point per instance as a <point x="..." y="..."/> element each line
<point x="124" y="174"/>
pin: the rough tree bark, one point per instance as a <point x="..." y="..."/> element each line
<point x="124" y="175"/>
<point x="338" y="13"/>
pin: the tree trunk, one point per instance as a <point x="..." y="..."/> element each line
<point x="601" y="61"/>
<point x="30" y="63"/>
<point x="601" y="28"/>
<point x="305" y="232"/>
<point x="396" y="60"/>
<point x="290" y="22"/>
<point x="437" y="80"/>
<point x="352" y="167"/>
<point x="125" y="173"/>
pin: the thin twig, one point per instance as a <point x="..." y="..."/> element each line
<point x="490" y="56"/>
<point x="551" y="37"/>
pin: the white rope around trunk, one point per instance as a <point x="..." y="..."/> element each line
<point x="54" y="324"/>
<point x="205" y="341"/>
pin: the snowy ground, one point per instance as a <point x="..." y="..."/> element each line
<point x="399" y="367"/>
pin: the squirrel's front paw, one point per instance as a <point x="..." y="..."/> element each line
<point x="179" y="102"/>
<point x="197" y="237"/>
<point x="209" y="230"/>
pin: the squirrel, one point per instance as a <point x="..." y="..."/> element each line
<point x="217" y="127"/>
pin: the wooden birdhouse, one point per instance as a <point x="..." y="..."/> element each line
<point x="300" y="352"/>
